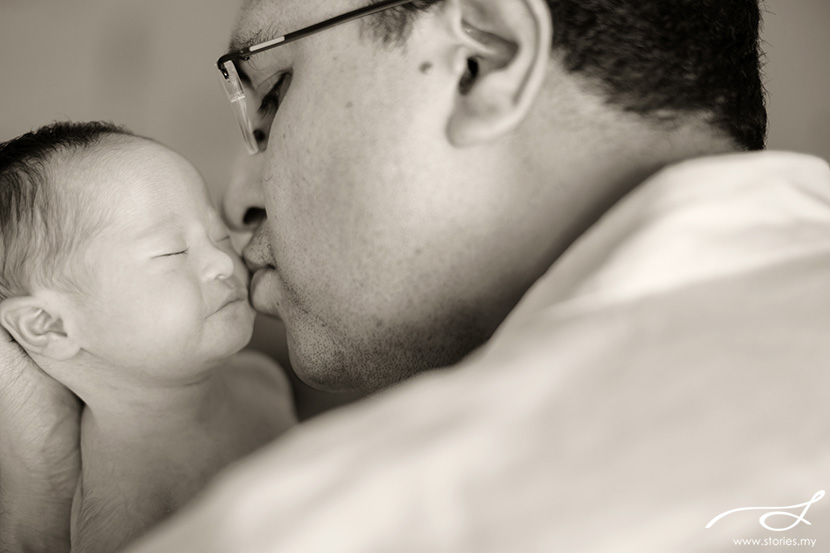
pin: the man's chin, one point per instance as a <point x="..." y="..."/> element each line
<point x="324" y="366"/>
<point x="324" y="381"/>
<point x="314" y="362"/>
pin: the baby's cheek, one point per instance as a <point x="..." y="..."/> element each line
<point x="177" y="315"/>
<point x="156" y="322"/>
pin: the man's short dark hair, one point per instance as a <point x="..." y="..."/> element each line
<point x="40" y="228"/>
<point x="657" y="58"/>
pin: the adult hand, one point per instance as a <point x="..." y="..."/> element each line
<point x="40" y="454"/>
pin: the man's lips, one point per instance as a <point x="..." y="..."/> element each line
<point x="257" y="253"/>
<point x="263" y="292"/>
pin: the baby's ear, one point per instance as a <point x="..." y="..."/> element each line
<point x="38" y="329"/>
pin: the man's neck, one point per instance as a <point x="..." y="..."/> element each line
<point x="608" y="154"/>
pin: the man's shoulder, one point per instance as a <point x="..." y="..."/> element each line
<point x="772" y="314"/>
<point x="698" y="221"/>
<point x="746" y="166"/>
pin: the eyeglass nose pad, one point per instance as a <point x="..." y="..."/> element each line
<point x="236" y="96"/>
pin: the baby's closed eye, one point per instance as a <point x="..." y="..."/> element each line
<point x="172" y="254"/>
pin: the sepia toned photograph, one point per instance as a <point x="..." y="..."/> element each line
<point x="439" y="276"/>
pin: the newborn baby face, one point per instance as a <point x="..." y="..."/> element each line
<point x="168" y="292"/>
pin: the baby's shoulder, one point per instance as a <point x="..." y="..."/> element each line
<point x="252" y="369"/>
<point x="260" y="382"/>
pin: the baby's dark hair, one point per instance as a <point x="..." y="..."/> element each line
<point x="42" y="226"/>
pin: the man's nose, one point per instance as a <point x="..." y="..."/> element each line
<point x="243" y="204"/>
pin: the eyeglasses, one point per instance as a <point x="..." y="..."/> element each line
<point x="233" y="83"/>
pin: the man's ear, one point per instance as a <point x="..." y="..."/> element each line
<point x="501" y="61"/>
<point x="36" y="328"/>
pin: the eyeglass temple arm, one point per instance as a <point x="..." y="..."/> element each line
<point x="296" y="35"/>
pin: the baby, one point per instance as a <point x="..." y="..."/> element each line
<point x="118" y="278"/>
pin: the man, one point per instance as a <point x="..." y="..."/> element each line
<point x="424" y="168"/>
<point x="450" y="130"/>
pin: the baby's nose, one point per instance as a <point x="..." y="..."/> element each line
<point x="219" y="265"/>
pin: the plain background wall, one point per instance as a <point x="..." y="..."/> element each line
<point x="798" y="75"/>
<point x="149" y="64"/>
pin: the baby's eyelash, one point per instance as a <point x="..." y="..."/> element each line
<point x="183" y="252"/>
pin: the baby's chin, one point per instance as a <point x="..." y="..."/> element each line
<point x="231" y="328"/>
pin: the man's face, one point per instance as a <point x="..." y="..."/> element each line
<point x="386" y="250"/>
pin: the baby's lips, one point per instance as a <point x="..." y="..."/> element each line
<point x="235" y="293"/>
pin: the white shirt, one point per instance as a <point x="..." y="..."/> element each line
<point x="671" y="367"/>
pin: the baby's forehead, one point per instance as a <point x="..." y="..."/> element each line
<point x="121" y="155"/>
<point x="110" y="158"/>
<point x="129" y="177"/>
<point x="123" y="163"/>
